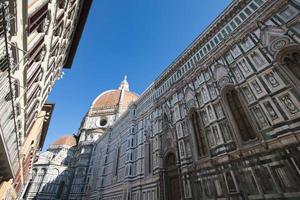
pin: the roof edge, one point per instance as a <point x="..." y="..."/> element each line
<point x="86" y="5"/>
<point x="48" y="107"/>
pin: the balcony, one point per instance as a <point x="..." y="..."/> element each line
<point x="37" y="12"/>
<point x="35" y="44"/>
<point x="54" y="42"/>
<point x="31" y="115"/>
<point x="59" y="17"/>
<point x="35" y="75"/>
<point x="33" y="92"/>
<point x="67" y="30"/>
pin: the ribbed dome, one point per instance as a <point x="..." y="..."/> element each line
<point x="66" y="140"/>
<point x="111" y="99"/>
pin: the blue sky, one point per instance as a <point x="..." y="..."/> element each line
<point x="137" y="38"/>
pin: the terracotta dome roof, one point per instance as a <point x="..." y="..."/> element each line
<point x="111" y="99"/>
<point x="66" y="140"/>
<point x="108" y="99"/>
<point x="129" y="97"/>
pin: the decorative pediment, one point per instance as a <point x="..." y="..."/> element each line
<point x="148" y="127"/>
<point x="168" y="141"/>
<point x="221" y="75"/>
<point x="166" y="109"/>
<point x="190" y="97"/>
<point x="274" y="38"/>
<point x="189" y="94"/>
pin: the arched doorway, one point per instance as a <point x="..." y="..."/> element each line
<point x="289" y="60"/>
<point x="172" y="182"/>
<point x="292" y="61"/>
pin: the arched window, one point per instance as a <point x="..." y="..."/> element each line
<point x="240" y="117"/>
<point x="292" y="62"/>
<point x="170" y="161"/>
<point x="200" y="138"/>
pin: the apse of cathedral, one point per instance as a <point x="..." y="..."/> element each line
<point x="221" y="122"/>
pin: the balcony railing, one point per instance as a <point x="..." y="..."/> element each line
<point x="37" y="13"/>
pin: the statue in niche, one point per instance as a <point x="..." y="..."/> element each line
<point x="204" y="94"/>
<point x="247" y="43"/>
<point x="237" y="74"/>
<point x="221" y="75"/>
<point x="219" y="110"/>
<point x="189" y="97"/>
<point x="289" y="104"/>
<point x="229" y="58"/>
<point x="248" y="94"/>
<point x="167" y="111"/>
<point x="212" y="90"/>
<point x="256" y="87"/>
<point x="245" y="66"/>
<point x="211" y="139"/>
<point x="216" y="134"/>
<point x="259" y="116"/>
<point x="210" y="113"/>
<point x="270" y="110"/>
<point x="204" y="116"/>
<point x="236" y="50"/>
<point x="225" y="131"/>
<point x="271" y="79"/>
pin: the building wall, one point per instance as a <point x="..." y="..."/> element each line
<point x="7" y="191"/>
<point x="8" y="137"/>
<point x="215" y="122"/>
<point x="33" y="145"/>
<point x="221" y="122"/>
<point x="50" y="25"/>
<point x="39" y="37"/>
<point x="50" y="28"/>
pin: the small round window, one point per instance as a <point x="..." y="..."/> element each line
<point x="103" y="122"/>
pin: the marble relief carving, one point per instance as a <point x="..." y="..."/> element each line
<point x="259" y="117"/>
<point x="270" y="110"/>
<point x="271" y="79"/>
<point x="238" y="96"/>
<point x="289" y="104"/>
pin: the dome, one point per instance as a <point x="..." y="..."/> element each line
<point x="68" y="140"/>
<point x="113" y="98"/>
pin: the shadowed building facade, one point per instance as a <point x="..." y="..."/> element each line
<point x="38" y="38"/>
<point x="221" y="122"/>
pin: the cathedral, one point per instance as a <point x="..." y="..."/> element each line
<point x="221" y="122"/>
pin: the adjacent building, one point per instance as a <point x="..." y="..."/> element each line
<point x="51" y="173"/>
<point x="38" y="39"/>
<point x="221" y="122"/>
